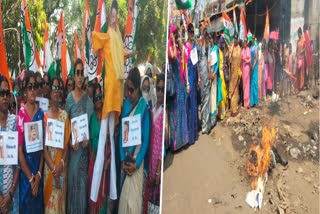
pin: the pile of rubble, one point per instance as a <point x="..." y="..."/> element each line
<point x="247" y="129"/>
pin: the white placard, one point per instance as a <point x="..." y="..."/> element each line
<point x="33" y="136"/>
<point x="9" y="148"/>
<point x="43" y="103"/>
<point x="55" y="133"/>
<point x="214" y="58"/>
<point x="194" y="56"/>
<point x="131" y="131"/>
<point x="80" y="128"/>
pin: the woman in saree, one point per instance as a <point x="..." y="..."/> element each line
<point x="235" y="75"/>
<point x="271" y="67"/>
<point x="133" y="158"/>
<point x="204" y="83"/>
<point x="254" y="86"/>
<point x="177" y="109"/>
<point x="78" y="103"/>
<point x="246" y="69"/>
<point x="213" y="67"/>
<point x="9" y="174"/>
<point x="31" y="181"/>
<point x="152" y="194"/>
<point x="101" y="205"/>
<point x="265" y="71"/>
<point x="300" y="62"/>
<point x="192" y="79"/>
<point x="221" y="84"/>
<point x="55" y="169"/>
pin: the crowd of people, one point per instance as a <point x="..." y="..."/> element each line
<point x="59" y="180"/>
<point x="207" y="78"/>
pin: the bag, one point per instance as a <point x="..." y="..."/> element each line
<point x="152" y="208"/>
<point x="171" y="87"/>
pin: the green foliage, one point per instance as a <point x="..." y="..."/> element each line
<point x="151" y="31"/>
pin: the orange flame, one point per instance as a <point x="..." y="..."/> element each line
<point x="260" y="157"/>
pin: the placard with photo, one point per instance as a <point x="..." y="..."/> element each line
<point x="33" y="135"/>
<point x="54" y="133"/>
<point x="79" y="128"/>
<point x="9" y="148"/>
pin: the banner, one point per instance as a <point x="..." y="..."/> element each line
<point x="131" y="131"/>
<point x="43" y="103"/>
<point x="9" y="148"/>
<point x="33" y="136"/>
<point x="54" y="133"/>
<point x="80" y="129"/>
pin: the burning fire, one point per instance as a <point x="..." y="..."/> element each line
<point x="258" y="164"/>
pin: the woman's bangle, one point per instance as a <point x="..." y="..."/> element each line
<point x="31" y="179"/>
<point x="14" y="185"/>
<point x="157" y="173"/>
<point x="39" y="173"/>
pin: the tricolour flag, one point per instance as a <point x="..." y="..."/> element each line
<point x="69" y="64"/>
<point x="76" y="47"/>
<point x="29" y="48"/>
<point x="266" y="27"/>
<point x="48" y="62"/>
<point x="100" y="26"/>
<point x="243" y="26"/>
<point x="183" y="4"/>
<point x="3" y="54"/>
<point x="235" y="23"/>
<point x="61" y="48"/>
<point x="228" y="30"/>
<point x="90" y="60"/>
<point x="130" y="34"/>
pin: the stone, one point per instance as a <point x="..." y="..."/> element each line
<point x="300" y="170"/>
<point x="240" y="138"/>
<point x="245" y="143"/>
<point x="295" y="152"/>
<point x="315" y="148"/>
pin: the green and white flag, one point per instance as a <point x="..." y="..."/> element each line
<point x="29" y="48"/>
<point x="130" y="34"/>
<point x="101" y="26"/>
<point x="89" y="59"/>
<point x="228" y="30"/>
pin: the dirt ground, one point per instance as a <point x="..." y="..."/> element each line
<point x="210" y="176"/>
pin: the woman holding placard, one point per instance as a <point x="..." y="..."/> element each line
<point x="78" y="105"/>
<point x="30" y="153"/>
<point x="101" y="205"/>
<point x="134" y="152"/>
<point x="55" y="153"/>
<point x="9" y="174"/>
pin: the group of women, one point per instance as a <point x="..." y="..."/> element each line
<point x="59" y="180"/>
<point x="207" y="78"/>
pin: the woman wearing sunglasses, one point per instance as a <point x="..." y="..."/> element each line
<point x="101" y="205"/>
<point x="78" y="103"/>
<point x="31" y="182"/>
<point x="55" y="169"/>
<point x="9" y="174"/>
<point x="132" y="158"/>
